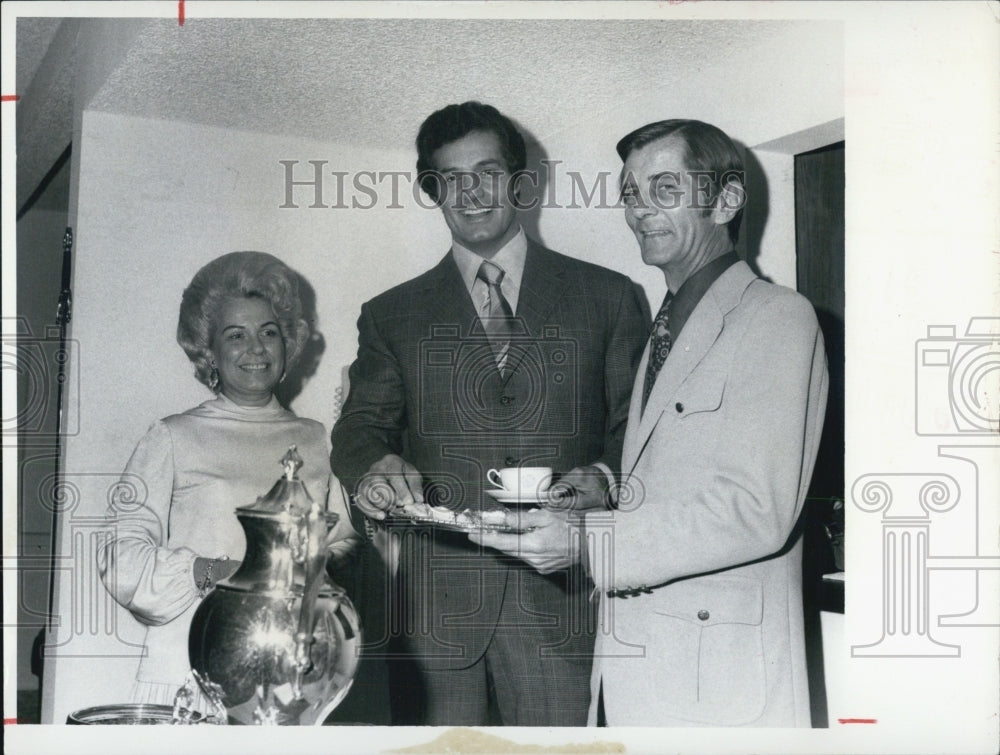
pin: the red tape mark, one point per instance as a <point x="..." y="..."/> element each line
<point x="856" y="721"/>
<point x="9" y="721"/>
<point x="9" y="97"/>
<point x="180" y="12"/>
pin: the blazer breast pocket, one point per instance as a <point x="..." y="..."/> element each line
<point x="700" y="393"/>
<point x="716" y="623"/>
<point x="692" y="424"/>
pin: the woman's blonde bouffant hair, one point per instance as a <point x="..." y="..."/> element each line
<point x="239" y="275"/>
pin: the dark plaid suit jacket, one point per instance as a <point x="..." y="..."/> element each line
<point x="425" y="386"/>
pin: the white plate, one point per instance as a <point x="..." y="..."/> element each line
<point x="506" y="496"/>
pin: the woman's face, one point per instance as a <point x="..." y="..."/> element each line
<point x="248" y="350"/>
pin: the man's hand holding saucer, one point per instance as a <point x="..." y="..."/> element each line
<point x="550" y="536"/>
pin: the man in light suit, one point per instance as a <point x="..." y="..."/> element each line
<point x="699" y="567"/>
<point x="438" y="396"/>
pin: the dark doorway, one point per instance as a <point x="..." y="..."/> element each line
<point x="819" y="246"/>
<point x="34" y="341"/>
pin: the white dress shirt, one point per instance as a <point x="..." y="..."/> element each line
<point x="510" y="259"/>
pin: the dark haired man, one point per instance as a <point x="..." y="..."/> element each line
<point x="504" y="354"/>
<point x="701" y="599"/>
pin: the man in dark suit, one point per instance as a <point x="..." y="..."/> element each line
<point x="504" y="354"/>
<point x="700" y="567"/>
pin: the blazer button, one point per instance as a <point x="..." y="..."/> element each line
<point x="679" y="407"/>
<point x="506" y="400"/>
<point x="510" y="461"/>
<point x="703" y="614"/>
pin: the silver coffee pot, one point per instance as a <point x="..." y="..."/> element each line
<point x="277" y="643"/>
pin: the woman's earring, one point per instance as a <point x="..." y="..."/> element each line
<point x="213" y="378"/>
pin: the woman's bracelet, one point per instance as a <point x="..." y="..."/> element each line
<point x="206" y="584"/>
<point x="371" y="528"/>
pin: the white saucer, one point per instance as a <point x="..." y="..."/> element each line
<point x="507" y="496"/>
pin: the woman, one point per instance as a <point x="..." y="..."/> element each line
<point x="241" y="325"/>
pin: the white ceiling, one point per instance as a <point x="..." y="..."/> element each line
<point x="370" y="82"/>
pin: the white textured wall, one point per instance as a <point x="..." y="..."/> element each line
<point x="774" y="232"/>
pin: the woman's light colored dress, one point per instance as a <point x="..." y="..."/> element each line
<point x="177" y="501"/>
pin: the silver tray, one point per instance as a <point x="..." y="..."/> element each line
<point x="454" y="527"/>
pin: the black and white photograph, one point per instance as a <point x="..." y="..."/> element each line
<point x="488" y="376"/>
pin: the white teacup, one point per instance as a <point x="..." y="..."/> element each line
<point x="521" y="480"/>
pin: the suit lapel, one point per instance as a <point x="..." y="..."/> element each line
<point x="700" y="333"/>
<point x="448" y="300"/>
<point x="541" y="287"/>
<point x="542" y="284"/>
<point x="631" y="447"/>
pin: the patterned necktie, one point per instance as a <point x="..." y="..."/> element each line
<point x="660" y="342"/>
<point x="496" y="313"/>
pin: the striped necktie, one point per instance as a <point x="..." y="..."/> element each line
<point x="660" y="342"/>
<point x="496" y="313"/>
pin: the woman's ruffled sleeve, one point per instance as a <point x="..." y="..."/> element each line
<point x="154" y="582"/>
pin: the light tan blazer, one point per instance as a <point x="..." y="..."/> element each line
<point x="718" y="466"/>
